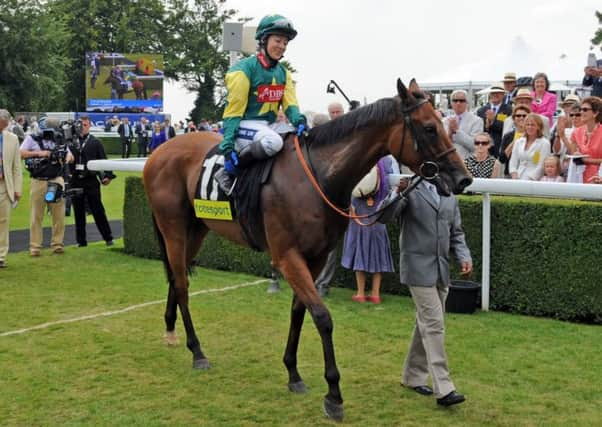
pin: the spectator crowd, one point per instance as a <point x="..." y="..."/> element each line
<point x="525" y="131"/>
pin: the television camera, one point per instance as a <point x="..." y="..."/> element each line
<point x="65" y="136"/>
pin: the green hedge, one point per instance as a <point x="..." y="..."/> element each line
<point x="545" y="254"/>
<point x="112" y="145"/>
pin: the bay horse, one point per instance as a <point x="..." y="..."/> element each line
<point x="300" y="228"/>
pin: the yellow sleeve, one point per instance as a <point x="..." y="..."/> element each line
<point x="238" y="85"/>
<point x="290" y="105"/>
<point x="290" y="96"/>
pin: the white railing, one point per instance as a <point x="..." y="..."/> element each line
<point x="133" y="164"/>
<point x="479" y="185"/>
<point x="518" y="188"/>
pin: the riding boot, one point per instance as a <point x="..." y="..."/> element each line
<point x="224" y="180"/>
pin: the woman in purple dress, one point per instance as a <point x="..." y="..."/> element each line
<point x="158" y="138"/>
<point x="367" y="249"/>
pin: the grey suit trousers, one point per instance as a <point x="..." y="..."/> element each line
<point x="427" y="349"/>
<point x="325" y="277"/>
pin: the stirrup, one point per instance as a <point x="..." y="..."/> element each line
<point x="224" y="180"/>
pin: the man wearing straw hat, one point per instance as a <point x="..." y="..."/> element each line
<point x="493" y="114"/>
<point x="510" y="87"/>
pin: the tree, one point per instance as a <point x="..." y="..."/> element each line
<point x="109" y="26"/>
<point x="192" y="44"/>
<point x="44" y="44"/>
<point x="34" y="60"/>
<point x="597" y="40"/>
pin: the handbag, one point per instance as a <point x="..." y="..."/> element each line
<point x="368" y="185"/>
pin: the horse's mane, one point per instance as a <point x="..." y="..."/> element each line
<point x="384" y="111"/>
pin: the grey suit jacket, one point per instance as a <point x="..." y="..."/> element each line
<point x="428" y="232"/>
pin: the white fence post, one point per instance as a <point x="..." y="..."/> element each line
<point x="486" y="255"/>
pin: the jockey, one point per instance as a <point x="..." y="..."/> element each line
<point x="257" y="87"/>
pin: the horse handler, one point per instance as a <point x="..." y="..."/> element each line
<point x="430" y="226"/>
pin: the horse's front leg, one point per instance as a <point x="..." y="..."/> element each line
<point x="295" y="383"/>
<point x="295" y="270"/>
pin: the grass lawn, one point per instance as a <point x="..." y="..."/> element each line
<point x="115" y="370"/>
<point x="112" y="197"/>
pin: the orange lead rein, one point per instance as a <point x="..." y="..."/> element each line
<point x="313" y="181"/>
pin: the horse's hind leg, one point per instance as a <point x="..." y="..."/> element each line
<point x="195" y="239"/>
<point x="177" y="251"/>
<point x="295" y="383"/>
<point x="171" y="314"/>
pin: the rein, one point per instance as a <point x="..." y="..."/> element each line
<point x="315" y="184"/>
<point x="429" y="170"/>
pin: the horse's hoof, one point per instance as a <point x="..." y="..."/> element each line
<point x="333" y="410"/>
<point x="171" y="338"/>
<point x="298" y="387"/>
<point x="201" y="364"/>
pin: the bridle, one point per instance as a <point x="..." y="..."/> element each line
<point x="429" y="170"/>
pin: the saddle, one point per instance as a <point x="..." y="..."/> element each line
<point x="243" y="205"/>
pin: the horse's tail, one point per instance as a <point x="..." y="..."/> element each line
<point x="163" y="251"/>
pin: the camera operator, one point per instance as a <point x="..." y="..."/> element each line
<point x="90" y="148"/>
<point x="45" y="156"/>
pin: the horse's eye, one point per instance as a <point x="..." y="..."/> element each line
<point x="431" y="130"/>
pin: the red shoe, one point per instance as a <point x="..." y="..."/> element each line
<point x="374" y="300"/>
<point x="359" y="298"/>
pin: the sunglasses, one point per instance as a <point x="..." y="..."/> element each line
<point x="481" y="143"/>
<point x="520" y="116"/>
<point x="575" y="114"/>
<point x="584" y="109"/>
<point x="458" y="100"/>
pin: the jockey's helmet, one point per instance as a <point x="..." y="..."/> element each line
<point x="275" y="24"/>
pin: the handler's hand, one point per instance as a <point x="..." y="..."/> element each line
<point x="105" y="181"/>
<point x="403" y="184"/>
<point x="465" y="268"/>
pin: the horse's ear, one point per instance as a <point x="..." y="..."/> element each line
<point x="402" y="91"/>
<point x="414" y="86"/>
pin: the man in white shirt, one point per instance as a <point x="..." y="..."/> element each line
<point x="463" y="125"/>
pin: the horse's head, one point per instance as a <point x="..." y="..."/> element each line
<point x="421" y="143"/>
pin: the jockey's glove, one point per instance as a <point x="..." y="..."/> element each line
<point x="302" y="126"/>
<point x="231" y="162"/>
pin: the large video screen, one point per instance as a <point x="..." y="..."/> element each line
<point x="124" y="83"/>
